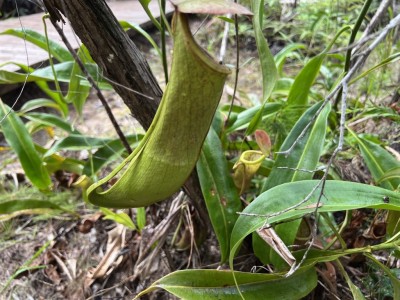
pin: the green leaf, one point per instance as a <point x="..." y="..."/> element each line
<point x="392" y="58"/>
<point x="14" y="208"/>
<point x="145" y="5"/>
<point x="120" y="217"/>
<point x="63" y="73"/>
<point x="141" y="218"/>
<point x="226" y="19"/>
<point x="109" y="152"/>
<point x="219" y="191"/>
<point x="378" y="160"/>
<point x="338" y="195"/>
<point x="77" y="142"/>
<point x="77" y="91"/>
<point x="21" y="142"/>
<point x="38" y="103"/>
<point x="268" y="68"/>
<point x="213" y="284"/>
<point x="56" y="162"/>
<point x="390" y="174"/>
<point x="305" y="156"/>
<point x="51" y="120"/>
<point x="355" y="290"/>
<point x="298" y="95"/>
<point x="281" y="56"/>
<point x="299" y="92"/>
<point x="244" y="118"/>
<point x="128" y="25"/>
<point x="59" y="52"/>
<point x="16" y="77"/>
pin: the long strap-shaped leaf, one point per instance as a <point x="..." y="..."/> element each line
<point x="170" y="148"/>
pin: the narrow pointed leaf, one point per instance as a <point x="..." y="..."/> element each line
<point x="77" y="91"/>
<point x="379" y="161"/>
<point x="268" y="68"/>
<point x="38" y="103"/>
<point x="244" y="118"/>
<point x="213" y="284"/>
<point x="305" y="156"/>
<point x="51" y="120"/>
<point x="338" y="195"/>
<point x="219" y="191"/>
<point x="390" y="174"/>
<point x="63" y="72"/>
<point x="298" y="95"/>
<point x="13" y="208"/>
<point x="76" y="142"/>
<point x="127" y="25"/>
<point x="18" y="138"/>
<point x="267" y="61"/>
<point x="59" y="52"/>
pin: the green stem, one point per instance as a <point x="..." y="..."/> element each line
<point x="60" y="99"/>
<point x="335" y="231"/>
<point x="163" y="44"/>
<point x="338" y="235"/>
<point x="237" y="68"/>
<point x="149" y="14"/>
<point x="353" y="35"/>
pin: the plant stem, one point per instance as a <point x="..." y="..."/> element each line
<point x="163" y="44"/>
<point x="353" y="35"/>
<point x="236" y="67"/>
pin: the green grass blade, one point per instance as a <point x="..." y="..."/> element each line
<point x="128" y="25"/>
<point x="391" y="59"/>
<point x="213" y="284"/>
<point x="268" y="67"/>
<point x="390" y="174"/>
<point x="244" y="118"/>
<point x="219" y="191"/>
<point x="63" y="73"/>
<point x="305" y="154"/>
<point x="14" y="208"/>
<point x="378" y="160"/>
<point x="77" y="91"/>
<point x="51" y="120"/>
<point x="59" y="52"/>
<point x="298" y="95"/>
<point x="20" y="141"/>
<point x="38" y="103"/>
<point x="77" y="142"/>
<point x="267" y="61"/>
